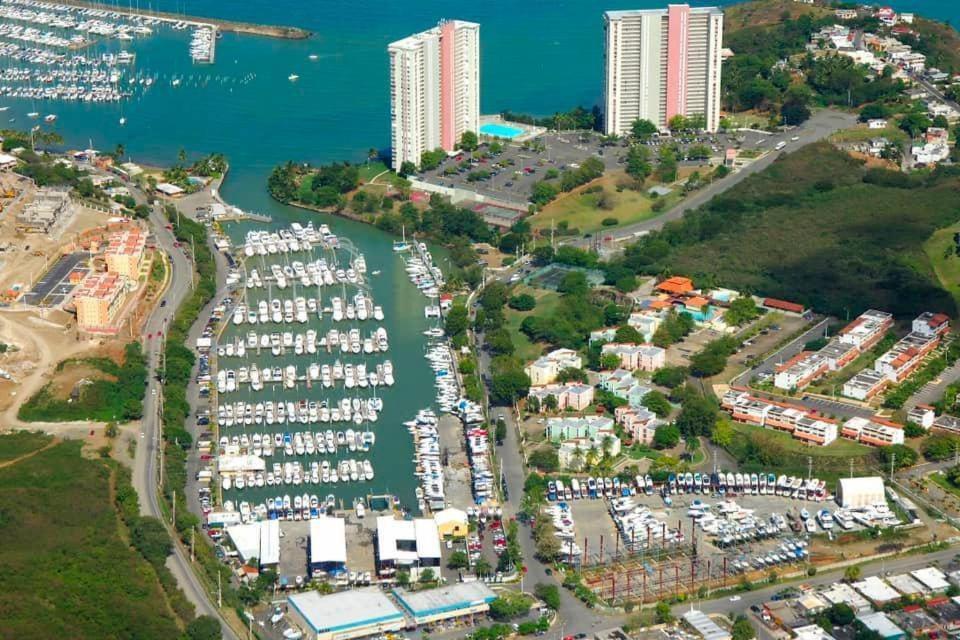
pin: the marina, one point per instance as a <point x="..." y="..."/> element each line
<point x="303" y="390"/>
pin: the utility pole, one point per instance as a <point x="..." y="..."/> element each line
<point x="851" y="467"/>
<point x="174" y="502"/>
<point x="219" y="590"/>
<point x="809" y="467"/>
<point x="893" y="460"/>
<point x="192" y="556"/>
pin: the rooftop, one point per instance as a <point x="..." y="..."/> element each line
<point x="444" y="599"/>
<point x="345" y="610"/>
<point x="328" y="540"/>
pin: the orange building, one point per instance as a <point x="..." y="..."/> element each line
<point x="676" y="285"/>
<point x="98" y="300"/>
<point x="124" y="252"/>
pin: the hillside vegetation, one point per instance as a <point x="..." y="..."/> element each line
<point x="818" y="228"/>
<point x="65" y="570"/>
<point x="767" y="12"/>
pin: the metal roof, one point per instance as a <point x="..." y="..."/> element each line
<point x="706" y="627"/>
<point x="445" y="599"/>
<point x="328" y="540"/>
<point x="345" y="610"/>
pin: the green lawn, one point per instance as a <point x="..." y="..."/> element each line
<point x="861" y="133"/>
<point x="19" y="443"/>
<point x="581" y="211"/>
<point x="946" y="264"/>
<point x="833" y="383"/>
<point x="65" y="572"/>
<point x="547" y="301"/>
<point x="370" y="170"/>
<point x="782" y="454"/>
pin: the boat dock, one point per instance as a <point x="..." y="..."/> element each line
<point x="226" y="26"/>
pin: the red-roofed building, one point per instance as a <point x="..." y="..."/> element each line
<point x="676" y="285"/>
<point x="783" y="305"/>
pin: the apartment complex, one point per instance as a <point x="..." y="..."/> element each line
<point x="660" y="63"/>
<point x="800" y="422"/>
<point x="860" y="335"/>
<point x="99" y="299"/>
<point x="124" y="252"/>
<point x="434" y="89"/>
<point x="903" y="358"/>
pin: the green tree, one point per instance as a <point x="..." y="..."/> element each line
<point x="742" y="629"/>
<point x="657" y="402"/>
<point x="638" y="162"/>
<point x="670" y="377"/>
<point x="609" y="361"/>
<point x="407" y="168"/>
<point x="545" y="459"/>
<point x="666" y="437"/>
<point x="667" y="166"/>
<point x="427" y="576"/>
<point x="468" y="141"/>
<point x="549" y="594"/>
<point x="723" y="434"/>
<point x="506" y="387"/>
<point x="523" y="302"/>
<point x="662" y="613"/>
<point x="457" y="320"/>
<point x="204" y="628"/>
<point x="915" y="123"/>
<point x="941" y="446"/>
<point x="626" y="333"/>
<point x="642" y="129"/>
<point x="458" y="560"/>
<point x="852" y="573"/>
<point x="574" y="283"/>
<point x="698" y="415"/>
<point x="900" y="455"/>
<point x="841" y="614"/>
<point x="741" y="311"/>
<point x="543" y="192"/>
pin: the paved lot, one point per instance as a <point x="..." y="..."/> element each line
<point x="53" y="288"/>
<point x="792" y="348"/>
<point x="514" y="172"/>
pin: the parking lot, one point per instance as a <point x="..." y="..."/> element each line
<point x="54" y="287"/>
<point x="509" y="176"/>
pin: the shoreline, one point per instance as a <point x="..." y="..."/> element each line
<point x="230" y="26"/>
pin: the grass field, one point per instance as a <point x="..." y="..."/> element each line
<point x="65" y="570"/>
<point x="946" y="263"/>
<point x="20" y="443"/>
<point x="762" y="12"/>
<point x="581" y="211"/>
<point x="546" y="301"/>
<point x="783" y="454"/>
<point x="809" y="229"/>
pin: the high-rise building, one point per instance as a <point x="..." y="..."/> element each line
<point x="660" y="63"/>
<point x="434" y="89"/>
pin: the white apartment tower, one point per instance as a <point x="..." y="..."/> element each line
<point x="434" y="89"/>
<point x="660" y="63"/>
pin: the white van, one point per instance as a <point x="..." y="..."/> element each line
<point x="780" y="145"/>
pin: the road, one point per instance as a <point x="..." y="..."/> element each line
<point x="821" y="125"/>
<point x="934" y="390"/>
<point x="146" y="470"/>
<point x="783" y="354"/>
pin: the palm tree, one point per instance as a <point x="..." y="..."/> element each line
<point x="577" y="458"/>
<point x="482" y="568"/>
<point x="182" y="155"/>
<point x="120" y="151"/>
<point x="373" y="154"/>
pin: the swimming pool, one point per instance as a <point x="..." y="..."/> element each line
<point x="500" y="130"/>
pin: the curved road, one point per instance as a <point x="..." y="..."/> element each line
<point x="824" y="123"/>
<point x="146" y="466"/>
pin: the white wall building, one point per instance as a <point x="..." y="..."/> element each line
<point x="434" y="89"/>
<point x="660" y="63"/>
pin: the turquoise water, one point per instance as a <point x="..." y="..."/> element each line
<point x="500" y="131"/>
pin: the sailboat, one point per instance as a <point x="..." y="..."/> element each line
<point x="293" y="77"/>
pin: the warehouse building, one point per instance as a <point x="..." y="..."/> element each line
<point x="260" y="540"/>
<point x="860" y="492"/>
<point x="342" y="616"/>
<point x="328" y="546"/>
<point x="445" y="603"/>
<point x="707" y="628"/>
<point x="877" y="591"/>
<point x="408" y="545"/>
<point x="879" y="623"/>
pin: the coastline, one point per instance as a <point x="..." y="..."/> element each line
<point x="230" y="26"/>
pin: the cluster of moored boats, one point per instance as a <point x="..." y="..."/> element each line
<point x="356" y="410"/>
<point x="563" y="525"/>
<point x="313" y="273"/>
<point x="203" y="43"/>
<point x="746" y="484"/>
<point x="429" y="467"/>
<point x="297" y="443"/>
<point x="298" y="507"/>
<point x="306" y="343"/>
<point x="297" y="238"/>
<point x="639" y="527"/>
<point x="353" y="376"/>
<point x="445" y="378"/>
<point x="297" y="473"/>
<point x="300" y="309"/>
<point x="423" y="273"/>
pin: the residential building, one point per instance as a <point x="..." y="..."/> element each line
<point x="639" y="422"/>
<point x="865" y="385"/>
<point x="411" y="545"/>
<point x="867" y="329"/>
<point x="877" y="591"/>
<point x="947" y="424"/>
<point x="645" y="323"/>
<point x="931" y="324"/>
<point x="124" y="252"/>
<point x="434" y="89"/>
<point x="800" y="370"/>
<point x="932" y="579"/>
<point x="800" y="422"/>
<point x="607" y="334"/>
<point x="576" y="396"/>
<point x="622" y="384"/>
<point x="776" y="304"/>
<point x="922" y="415"/>
<point x="660" y="63"/>
<point x="98" y="300"/>
<point x="559" y="429"/>
<point x="879" y="623"/>
<point x="906" y="584"/>
<point x="841" y="592"/>
<point x="574" y="452"/>
<point x="544" y="369"/>
<point x="675" y="285"/>
<point x="646" y="357"/>
<point x="874" y="431"/>
<point x="947" y="613"/>
<point x="50" y="209"/>
<point x="452" y="523"/>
